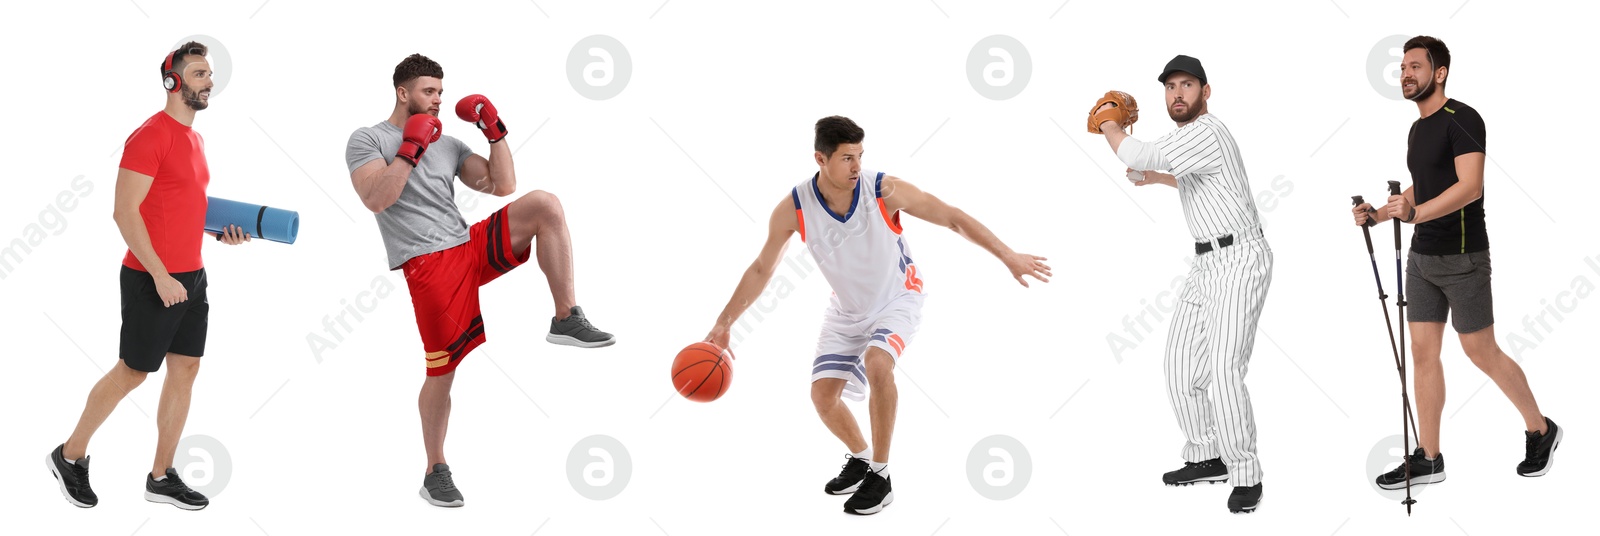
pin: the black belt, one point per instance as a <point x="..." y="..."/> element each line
<point x="1223" y="241"/>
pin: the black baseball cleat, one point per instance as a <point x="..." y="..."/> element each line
<point x="1244" y="499"/>
<point x="874" y="494"/>
<point x="849" y="478"/>
<point x="173" y="491"/>
<point x="575" y="330"/>
<point x="1212" y="470"/>
<point x="1541" y="450"/>
<point x="73" y="478"/>
<point x="1423" y="471"/>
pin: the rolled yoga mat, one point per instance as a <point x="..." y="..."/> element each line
<point x="275" y="224"/>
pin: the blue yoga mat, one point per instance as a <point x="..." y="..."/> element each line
<point x="275" y="224"/>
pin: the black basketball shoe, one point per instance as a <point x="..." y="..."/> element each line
<point x="849" y="478"/>
<point x="874" y="494"/>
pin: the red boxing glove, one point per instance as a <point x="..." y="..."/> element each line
<point x="421" y="130"/>
<point x="476" y="109"/>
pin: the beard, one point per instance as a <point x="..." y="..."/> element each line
<point x="1422" y="93"/>
<point x="1193" y="110"/>
<point x="415" y="108"/>
<point x="192" y="98"/>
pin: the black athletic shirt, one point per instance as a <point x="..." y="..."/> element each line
<point x="1435" y="142"/>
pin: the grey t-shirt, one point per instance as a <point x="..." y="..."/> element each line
<point x="425" y="218"/>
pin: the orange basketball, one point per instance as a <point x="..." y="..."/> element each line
<point x="702" y="372"/>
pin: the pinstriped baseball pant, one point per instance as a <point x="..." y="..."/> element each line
<point x="1208" y="353"/>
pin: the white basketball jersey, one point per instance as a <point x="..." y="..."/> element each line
<point x="860" y="252"/>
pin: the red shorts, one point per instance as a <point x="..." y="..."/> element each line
<point x="444" y="290"/>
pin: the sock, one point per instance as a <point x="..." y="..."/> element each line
<point x="160" y="478"/>
<point x="71" y="462"/>
<point x="863" y="455"/>
<point x="881" y="468"/>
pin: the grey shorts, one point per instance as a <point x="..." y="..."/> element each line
<point x="1440" y="286"/>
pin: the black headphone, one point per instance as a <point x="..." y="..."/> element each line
<point x="170" y="78"/>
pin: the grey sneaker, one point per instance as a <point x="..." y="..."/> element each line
<point x="576" y="330"/>
<point x="439" y="489"/>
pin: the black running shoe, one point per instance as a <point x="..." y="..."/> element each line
<point x="1244" y="499"/>
<point x="439" y="489"/>
<point x="173" y="491"/>
<point x="849" y="478"/>
<point x="575" y="330"/>
<point x="73" y="478"/>
<point x="874" y="494"/>
<point x="1423" y="471"/>
<point x="1212" y="470"/>
<point x="1541" y="450"/>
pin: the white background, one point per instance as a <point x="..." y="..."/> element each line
<point x="715" y="124"/>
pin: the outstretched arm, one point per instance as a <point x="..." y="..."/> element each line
<point x="900" y="195"/>
<point x="780" y="225"/>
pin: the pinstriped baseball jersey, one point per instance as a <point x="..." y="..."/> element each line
<point x="860" y="252"/>
<point x="1211" y="179"/>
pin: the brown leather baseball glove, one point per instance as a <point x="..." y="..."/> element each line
<point x="1124" y="110"/>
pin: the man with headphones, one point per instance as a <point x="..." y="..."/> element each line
<point x="160" y="208"/>
<point x="1447" y="273"/>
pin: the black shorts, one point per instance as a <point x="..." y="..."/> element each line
<point x="1454" y="286"/>
<point x="150" y="331"/>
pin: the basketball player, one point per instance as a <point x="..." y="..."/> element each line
<point x="1214" y="329"/>
<point x="160" y="208"/>
<point x="404" y="171"/>
<point x="849" y="219"/>
<point x="1447" y="269"/>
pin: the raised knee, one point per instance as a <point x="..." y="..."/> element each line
<point x="545" y="202"/>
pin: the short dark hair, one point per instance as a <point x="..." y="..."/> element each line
<point x="416" y="66"/>
<point x="192" y="48"/>
<point x="1438" y="54"/>
<point x="836" y="130"/>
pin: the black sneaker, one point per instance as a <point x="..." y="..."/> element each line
<point x="73" y="478"/>
<point x="849" y="478"/>
<point x="1212" y="470"/>
<point x="173" y="491"/>
<point x="576" y="330"/>
<point x="1423" y="471"/>
<point x="439" y="489"/>
<point x="1541" y="450"/>
<point x="1244" y="499"/>
<point x="870" y="498"/>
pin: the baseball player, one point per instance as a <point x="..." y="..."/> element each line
<point x="849" y="219"/>
<point x="404" y="169"/>
<point x="161" y="212"/>
<point x="1214" y="328"/>
<point x="1447" y="269"/>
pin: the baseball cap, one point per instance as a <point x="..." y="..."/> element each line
<point x="1186" y="64"/>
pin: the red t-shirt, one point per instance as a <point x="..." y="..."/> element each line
<point x="174" y="210"/>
